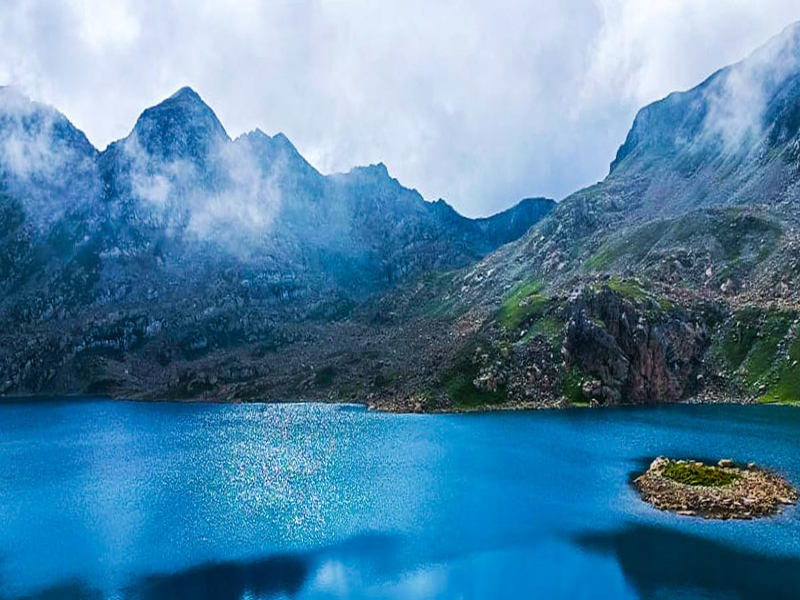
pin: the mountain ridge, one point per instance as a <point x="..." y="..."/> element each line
<point x="671" y="279"/>
<point x="177" y="243"/>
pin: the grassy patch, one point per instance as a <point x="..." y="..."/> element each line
<point x="755" y="347"/>
<point x="383" y="380"/>
<point x="573" y="386"/>
<point x="694" y="474"/>
<point x="737" y="343"/>
<point x="629" y="288"/>
<point x="737" y="239"/>
<point x="551" y="328"/>
<point x="458" y="380"/>
<point x="665" y="304"/>
<point x="635" y="245"/>
<point x="462" y="392"/>
<point x="601" y="260"/>
<point x="524" y="303"/>
<point x="763" y="355"/>
<point x="451" y="307"/>
<point x="787" y="386"/>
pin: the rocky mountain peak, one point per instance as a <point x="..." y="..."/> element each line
<point x="276" y="151"/>
<point x="182" y="126"/>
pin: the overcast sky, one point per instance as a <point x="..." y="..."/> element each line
<point x="481" y="103"/>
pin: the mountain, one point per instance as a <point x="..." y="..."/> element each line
<point x="179" y="181"/>
<point x="178" y="242"/>
<point x="672" y="278"/>
<point x="730" y="144"/>
<point x="179" y="263"/>
<point x="731" y="140"/>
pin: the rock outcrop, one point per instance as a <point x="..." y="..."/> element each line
<point x="634" y="350"/>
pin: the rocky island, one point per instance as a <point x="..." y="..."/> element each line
<point x="721" y="491"/>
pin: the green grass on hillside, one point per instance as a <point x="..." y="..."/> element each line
<point x="633" y="245"/>
<point x="763" y="355"/>
<point x="573" y="385"/>
<point x="525" y="302"/>
<point x="737" y="343"/>
<point x="758" y="350"/>
<point x="458" y="379"/>
<point x="787" y="385"/>
<point x="694" y="474"/>
<point x="629" y="288"/>
<point x="551" y="328"/>
<point x="730" y="233"/>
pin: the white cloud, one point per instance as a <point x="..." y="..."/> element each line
<point x="104" y="25"/>
<point x="238" y="208"/>
<point x="478" y="102"/>
<point x="245" y="206"/>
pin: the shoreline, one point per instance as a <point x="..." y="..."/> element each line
<point x="390" y="407"/>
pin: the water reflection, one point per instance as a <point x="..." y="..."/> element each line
<point x="661" y="562"/>
<point x="280" y="574"/>
<point x="69" y="590"/>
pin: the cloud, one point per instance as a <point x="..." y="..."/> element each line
<point x="27" y="147"/>
<point x="233" y="210"/>
<point x="245" y="207"/>
<point x="34" y="155"/>
<point x="480" y="103"/>
<point x="737" y="105"/>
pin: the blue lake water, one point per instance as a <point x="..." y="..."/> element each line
<point x="104" y="499"/>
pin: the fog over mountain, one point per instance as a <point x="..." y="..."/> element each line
<point x="476" y="103"/>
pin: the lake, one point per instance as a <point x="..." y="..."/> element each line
<point x="102" y="499"/>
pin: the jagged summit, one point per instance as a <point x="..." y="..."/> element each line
<point x="18" y="110"/>
<point x="180" y="190"/>
<point x="258" y="134"/>
<point x="375" y="169"/>
<point x="186" y="93"/>
<point x="278" y="154"/>
<point x="181" y="126"/>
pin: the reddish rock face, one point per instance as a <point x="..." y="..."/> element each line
<point x="639" y="354"/>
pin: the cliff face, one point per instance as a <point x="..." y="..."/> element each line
<point x="633" y="351"/>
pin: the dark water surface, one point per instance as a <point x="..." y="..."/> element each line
<point x="134" y="500"/>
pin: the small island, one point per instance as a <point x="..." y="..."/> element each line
<point x="721" y="491"/>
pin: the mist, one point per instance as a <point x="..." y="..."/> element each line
<point x="36" y="149"/>
<point x="233" y="204"/>
<point x="480" y="104"/>
<point x="737" y="103"/>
